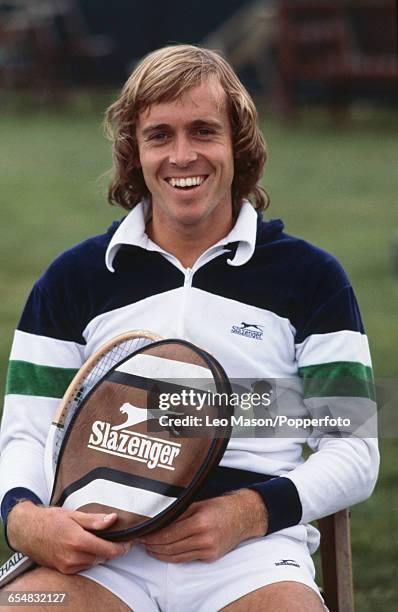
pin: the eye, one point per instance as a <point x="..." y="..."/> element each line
<point x="159" y="136"/>
<point x="203" y="131"/>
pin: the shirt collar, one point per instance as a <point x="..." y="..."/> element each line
<point x="131" y="232"/>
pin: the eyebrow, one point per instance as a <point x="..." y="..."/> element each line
<point x="207" y="122"/>
<point x="153" y="127"/>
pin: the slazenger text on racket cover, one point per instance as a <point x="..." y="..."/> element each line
<point x="133" y="445"/>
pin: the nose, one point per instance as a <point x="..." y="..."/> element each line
<point x="183" y="152"/>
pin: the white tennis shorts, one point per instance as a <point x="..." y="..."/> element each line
<point x="148" y="585"/>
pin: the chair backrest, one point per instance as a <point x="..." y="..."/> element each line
<point x="337" y="562"/>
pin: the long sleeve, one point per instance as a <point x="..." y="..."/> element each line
<point x="45" y="356"/>
<point x="334" y="364"/>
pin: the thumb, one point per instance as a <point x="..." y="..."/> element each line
<point x="93" y="521"/>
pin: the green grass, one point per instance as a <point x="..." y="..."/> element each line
<point x="52" y="197"/>
<point x="335" y="186"/>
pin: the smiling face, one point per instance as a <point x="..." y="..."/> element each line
<point x="186" y="157"/>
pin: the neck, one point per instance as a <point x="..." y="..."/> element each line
<point x="188" y="242"/>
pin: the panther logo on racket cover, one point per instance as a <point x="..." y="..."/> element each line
<point x="135" y="415"/>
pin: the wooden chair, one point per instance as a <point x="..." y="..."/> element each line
<point x="336" y="562"/>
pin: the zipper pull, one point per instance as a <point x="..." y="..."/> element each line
<point x="188" y="276"/>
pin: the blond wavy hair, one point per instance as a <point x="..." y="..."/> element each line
<point x="166" y="75"/>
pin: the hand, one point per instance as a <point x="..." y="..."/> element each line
<point x="209" y="529"/>
<point x="58" y="538"/>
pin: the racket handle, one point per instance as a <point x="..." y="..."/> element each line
<point x="14" y="567"/>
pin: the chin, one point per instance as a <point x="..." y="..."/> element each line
<point x="191" y="214"/>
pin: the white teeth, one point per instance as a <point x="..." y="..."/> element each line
<point x="189" y="181"/>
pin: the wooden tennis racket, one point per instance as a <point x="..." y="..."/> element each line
<point x="106" y="451"/>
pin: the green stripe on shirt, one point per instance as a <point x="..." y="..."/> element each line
<point x="338" y="379"/>
<point x="25" y="378"/>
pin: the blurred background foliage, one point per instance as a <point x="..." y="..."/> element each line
<point x="331" y="173"/>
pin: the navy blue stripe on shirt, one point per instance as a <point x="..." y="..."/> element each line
<point x="61" y="309"/>
<point x="286" y="276"/>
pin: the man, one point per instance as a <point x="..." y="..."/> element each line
<point x="192" y="259"/>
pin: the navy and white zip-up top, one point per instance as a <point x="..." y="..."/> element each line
<point x="296" y="294"/>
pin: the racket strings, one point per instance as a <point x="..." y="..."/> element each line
<point x="99" y="369"/>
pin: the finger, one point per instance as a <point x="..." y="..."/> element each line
<point x="192" y="543"/>
<point x="103" y="549"/>
<point x="89" y="560"/>
<point x="93" y="521"/>
<point x="98" y="561"/>
<point x="109" y="550"/>
<point x="80" y="561"/>
<point x="172" y="533"/>
<point x="79" y="567"/>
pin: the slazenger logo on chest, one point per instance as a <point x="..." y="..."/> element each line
<point x="249" y="330"/>
<point x="116" y="440"/>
